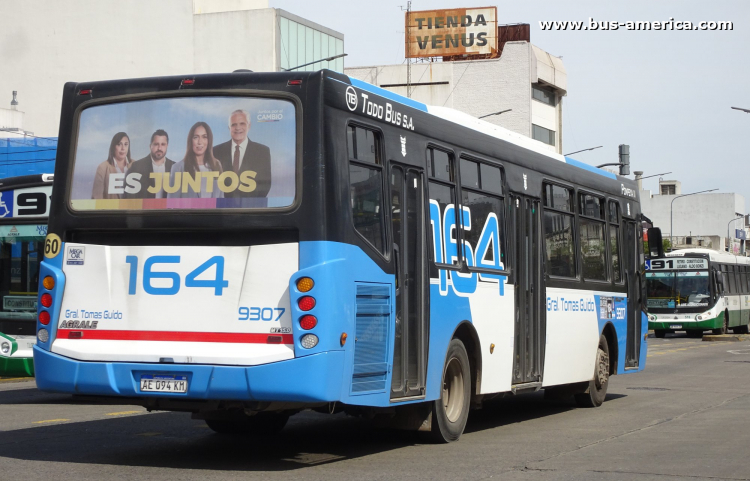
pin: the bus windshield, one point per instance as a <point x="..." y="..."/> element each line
<point x="204" y="152"/>
<point x="678" y="289"/>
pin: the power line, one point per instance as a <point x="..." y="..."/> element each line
<point x="28" y="151"/>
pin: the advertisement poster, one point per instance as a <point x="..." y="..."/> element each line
<point x="186" y="153"/>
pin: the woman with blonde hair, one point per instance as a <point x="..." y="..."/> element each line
<point x="117" y="162"/>
<point x="199" y="157"/>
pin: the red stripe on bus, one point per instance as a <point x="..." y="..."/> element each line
<point x="233" y="337"/>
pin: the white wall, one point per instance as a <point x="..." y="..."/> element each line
<point x="45" y="43"/>
<point x="477" y="87"/>
<point x="11" y="119"/>
<point x="699" y="215"/>
<point x="228" y="41"/>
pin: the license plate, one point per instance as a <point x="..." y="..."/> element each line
<point x="675" y="326"/>
<point x="163" y="383"/>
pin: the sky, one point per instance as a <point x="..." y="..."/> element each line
<point x="667" y="94"/>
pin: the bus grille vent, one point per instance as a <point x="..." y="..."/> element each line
<point x="371" y="344"/>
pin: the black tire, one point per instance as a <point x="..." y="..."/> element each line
<point x="695" y="334"/>
<point x="660" y="333"/>
<point x="261" y="424"/>
<point x="741" y="329"/>
<point x="597" y="390"/>
<point x="724" y="326"/>
<point x="451" y="411"/>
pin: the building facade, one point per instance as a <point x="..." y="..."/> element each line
<point x="49" y="42"/>
<point x="712" y="220"/>
<point x="525" y="81"/>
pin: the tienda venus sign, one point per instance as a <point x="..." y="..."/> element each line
<point x="456" y="31"/>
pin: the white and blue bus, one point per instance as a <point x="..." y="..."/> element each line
<point x="24" y="206"/>
<point x="244" y="246"/>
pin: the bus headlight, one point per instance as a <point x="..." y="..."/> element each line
<point x="5" y="347"/>
<point x="698" y="317"/>
<point x="651" y="318"/>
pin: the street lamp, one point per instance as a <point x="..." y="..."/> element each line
<point x="728" y="236"/>
<point x="317" y="61"/>
<point x="671" y="232"/>
<point x="495" y="113"/>
<point x="747" y="111"/>
<point x="584" y="150"/>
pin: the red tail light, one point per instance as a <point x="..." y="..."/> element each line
<point x="44" y="317"/>
<point x="308" y="321"/>
<point x="306" y="303"/>
<point x="46" y="300"/>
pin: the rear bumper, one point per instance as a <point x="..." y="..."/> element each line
<point x="314" y="378"/>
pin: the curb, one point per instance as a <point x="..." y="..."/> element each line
<point x="726" y="338"/>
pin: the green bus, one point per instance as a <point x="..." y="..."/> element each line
<point x="695" y="290"/>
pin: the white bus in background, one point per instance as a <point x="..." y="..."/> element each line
<point x="695" y="290"/>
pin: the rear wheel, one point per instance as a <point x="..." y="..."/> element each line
<point x="741" y="329"/>
<point x="260" y="424"/>
<point x="451" y="410"/>
<point x="597" y="390"/>
<point x="660" y="333"/>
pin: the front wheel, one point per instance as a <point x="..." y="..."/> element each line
<point x="451" y="411"/>
<point x="660" y="333"/>
<point x="724" y="326"/>
<point x="597" y="390"/>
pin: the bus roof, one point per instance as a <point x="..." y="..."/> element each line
<point x="471" y="122"/>
<point x="713" y="255"/>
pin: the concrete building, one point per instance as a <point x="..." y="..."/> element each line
<point x="713" y="220"/>
<point x="49" y="42"/>
<point x="525" y="79"/>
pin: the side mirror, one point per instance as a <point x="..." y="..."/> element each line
<point x="655" y="246"/>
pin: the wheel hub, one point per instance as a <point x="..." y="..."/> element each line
<point x="453" y="390"/>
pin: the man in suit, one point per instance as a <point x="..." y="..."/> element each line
<point x="242" y="154"/>
<point x="157" y="161"/>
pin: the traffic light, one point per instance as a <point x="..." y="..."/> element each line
<point x="624" y="159"/>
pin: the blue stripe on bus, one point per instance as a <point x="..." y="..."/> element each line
<point x="388" y="94"/>
<point x="590" y="168"/>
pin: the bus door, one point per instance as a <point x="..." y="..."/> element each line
<point x="409" y="253"/>
<point x="634" y="282"/>
<point x="528" y="355"/>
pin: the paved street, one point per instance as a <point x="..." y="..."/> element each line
<point x="684" y="417"/>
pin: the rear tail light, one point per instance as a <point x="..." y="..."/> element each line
<point x="308" y="321"/>
<point x="46" y="300"/>
<point x="44" y="317"/>
<point x="306" y="303"/>
<point x="305" y="284"/>
<point x="43" y="335"/>
<point x="309" y="341"/>
<point x="48" y="283"/>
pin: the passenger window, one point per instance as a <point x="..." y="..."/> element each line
<point x="366" y="185"/>
<point x="559" y="240"/>
<point x="591" y="231"/>
<point x="442" y="191"/>
<point x="486" y="236"/>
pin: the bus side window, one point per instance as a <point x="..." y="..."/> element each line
<point x="442" y="191"/>
<point x="366" y="184"/>
<point x="559" y="236"/>
<point x="614" y="240"/>
<point x="481" y="189"/>
<point x="591" y="231"/>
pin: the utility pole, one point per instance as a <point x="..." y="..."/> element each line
<point x="408" y="39"/>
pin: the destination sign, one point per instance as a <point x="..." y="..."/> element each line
<point x="677" y="263"/>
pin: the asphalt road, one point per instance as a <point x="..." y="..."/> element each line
<point x="684" y="417"/>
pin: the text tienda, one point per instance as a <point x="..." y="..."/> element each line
<point x="183" y="182"/>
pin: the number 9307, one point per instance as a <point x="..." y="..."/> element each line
<point x="260" y="313"/>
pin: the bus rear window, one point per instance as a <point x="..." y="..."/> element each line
<point x="185" y="153"/>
